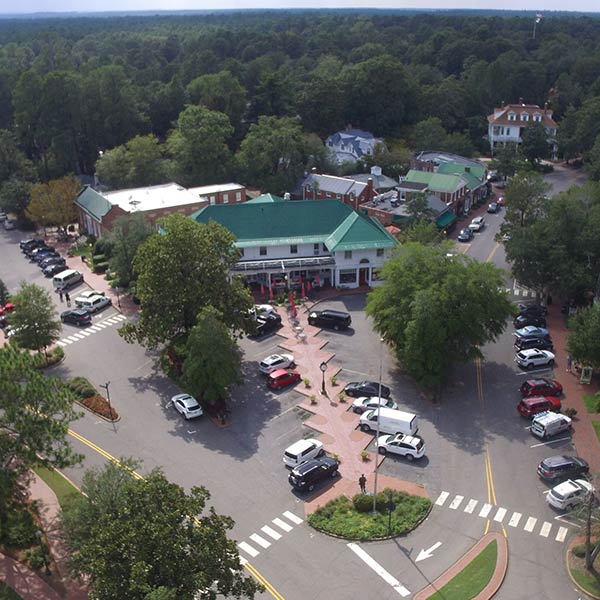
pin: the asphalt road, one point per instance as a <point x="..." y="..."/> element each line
<point x="477" y="448"/>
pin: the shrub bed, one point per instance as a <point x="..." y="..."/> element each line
<point x="353" y="519"/>
<point x="100" y="406"/>
<point x="49" y="358"/>
<point x="82" y="387"/>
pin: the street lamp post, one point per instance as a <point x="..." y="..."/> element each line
<point x="118" y="296"/>
<point x="378" y="426"/>
<point x="323" y="367"/>
<point x="106" y="387"/>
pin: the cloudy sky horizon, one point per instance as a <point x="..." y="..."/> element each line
<point x="57" y="6"/>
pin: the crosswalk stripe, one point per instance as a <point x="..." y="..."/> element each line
<point x="61" y="344"/>
<point x="120" y="317"/>
<point x="112" y="320"/>
<point x="95" y="328"/>
<point x="499" y="516"/>
<point x="66" y="341"/>
<point x="101" y="325"/>
<point x="260" y="540"/>
<point x="107" y="323"/>
<point x="442" y="498"/>
<point x="292" y="517"/>
<point x="248" y="549"/>
<point x="78" y="336"/>
<point x="514" y="520"/>
<point x="72" y="338"/>
<point x="485" y="510"/>
<point x="470" y="507"/>
<point x="530" y="524"/>
<point x="456" y="502"/>
<point x="562" y="534"/>
<point x="282" y="525"/>
<point x="271" y="532"/>
<point x="545" y="530"/>
<point x="243" y="561"/>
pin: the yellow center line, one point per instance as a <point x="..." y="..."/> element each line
<point x="493" y="252"/>
<point x="135" y="474"/>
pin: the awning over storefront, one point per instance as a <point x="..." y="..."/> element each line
<point x="445" y="219"/>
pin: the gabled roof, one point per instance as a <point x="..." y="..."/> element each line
<point x="298" y="222"/>
<point x="437" y="182"/>
<point x="500" y="115"/>
<point x="266" y="198"/>
<point x="93" y="203"/>
<point x="332" y="185"/>
<point x="474" y="176"/>
<point x="379" y="181"/>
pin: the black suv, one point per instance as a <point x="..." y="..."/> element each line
<point x="539" y="343"/>
<point x="529" y="319"/>
<point x="332" y="319"/>
<point x="305" y="476"/>
<point x="31" y="243"/>
<point x="532" y="309"/>
<point x="77" y="316"/>
<point x="356" y="389"/>
<point x="557" y="468"/>
<point x="265" y="324"/>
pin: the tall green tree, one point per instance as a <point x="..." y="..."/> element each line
<point x="526" y="198"/>
<point x="534" y="145"/>
<point x="145" y="539"/>
<point x="198" y="145"/>
<point x="35" y="323"/>
<point x="429" y="134"/>
<point x="418" y="207"/>
<point x="583" y="342"/>
<point x="437" y="311"/>
<point x="127" y="235"/>
<point x="213" y="360"/>
<point x="180" y="270"/>
<point x="507" y="160"/>
<point x="52" y="203"/>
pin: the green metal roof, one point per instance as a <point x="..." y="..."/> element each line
<point x="266" y="198"/>
<point x="445" y="219"/>
<point x="93" y="203"/>
<point x="298" y="222"/>
<point x="475" y="176"/>
<point x="436" y="182"/>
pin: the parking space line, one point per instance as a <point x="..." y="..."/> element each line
<point x="499" y="516"/>
<point x="456" y="502"/>
<point x="282" y="525"/>
<point x="292" y="517"/>
<point x="260" y="540"/>
<point x="545" y="530"/>
<point x="530" y="524"/>
<point x="485" y="510"/>
<point x="470" y="507"/>
<point x="514" y="520"/>
<point x="373" y="564"/>
<point x="442" y="498"/>
<point x="248" y="549"/>
<point x="562" y="534"/>
<point x="271" y="532"/>
<point x="548" y="443"/>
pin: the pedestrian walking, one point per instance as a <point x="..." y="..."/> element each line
<point x="362" y="481"/>
<point x="60" y="295"/>
<point x="569" y="363"/>
<point x="68" y="298"/>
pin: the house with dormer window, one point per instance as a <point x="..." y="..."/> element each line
<point x="507" y="123"/>
<point x="351" y="144"/>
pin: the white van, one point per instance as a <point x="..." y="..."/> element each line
<point x="67" y="279"/>
<point x="301" y="451"/>
<point x="390" y="421"/>
<point x="547" y="424"/>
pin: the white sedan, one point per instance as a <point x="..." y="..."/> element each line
<point x="187" y="405"/>
<point x="569" y="493"/>
<point x="89" y="294"/>
<point x="260" y="310"/>
<point x="275" y="362"/>
<point x="365" y="403"/>
<point x="477" y="224"/>
<point x="405" y="445"/>
<point x="529" y="359"/>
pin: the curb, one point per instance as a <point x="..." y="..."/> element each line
<point x="97" y="414"/>
<point x="573" y="581"/>
<point x="497" y="576"/>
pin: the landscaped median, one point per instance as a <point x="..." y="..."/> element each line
<point x="353" y="519"/>
<point x="477" y="575"/>
<point x="586" y="580"/>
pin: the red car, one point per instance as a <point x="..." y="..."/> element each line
<point x="528" y="407"/>
<point x="540" y="387"/>
<point x="8" y="307"/>
<point x="282" y="378"/>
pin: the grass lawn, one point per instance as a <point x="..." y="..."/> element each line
<point x="586" y="580"/>
<point x="472" y="579"/>
<point x="591" y="403"/>
<point x="59" y="485"/>
<point x="7" y="593"/>
<point x="596" y="427"/>
<point x="340" y="516"/>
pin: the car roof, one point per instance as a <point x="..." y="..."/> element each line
<point x="311" y="464"/>
<point x="539" y="400"/>
<point x="301" y="445"/>
<point x="280" y="373"/>
<point x="555" y="461"/>
<point x="541" y="381"/>
<point x="329" y="311"/>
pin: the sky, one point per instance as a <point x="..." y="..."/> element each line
<point x="32" y="6"/>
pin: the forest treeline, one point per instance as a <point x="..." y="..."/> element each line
<point x="252" y="96"/>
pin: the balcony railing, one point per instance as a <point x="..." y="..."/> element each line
<point x="284" y="264"/>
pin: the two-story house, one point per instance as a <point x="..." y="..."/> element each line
<point x="449" y="188"/>
<point x="321" y="241"/>
<point x="351" y="144"/>
<point x="330" y="187"/>
<point x="507" y="123"/>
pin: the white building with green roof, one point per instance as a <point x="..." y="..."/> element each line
<point x="321" y="241"/>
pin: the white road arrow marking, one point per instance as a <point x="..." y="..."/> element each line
<point x="428" y="553"/>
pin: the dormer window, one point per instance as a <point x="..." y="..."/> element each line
<point x="537" y="118"/>
<point x="524" y="116"/>
<point x="512" y="116"/>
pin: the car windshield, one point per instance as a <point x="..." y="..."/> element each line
<point x="419" y="444"/>
<point x="557" y="495"/>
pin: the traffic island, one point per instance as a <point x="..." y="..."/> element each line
<point x="396" y="513"/>
<point x="478" y="575"/>
<point x="587" y="581"/>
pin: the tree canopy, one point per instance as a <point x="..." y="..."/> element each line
<point x="583" y="342"/>
<point x="147" y="539"/>
<point x="179" y="271"/>
<point x="436" y="310"/>
<point x="52" y="203"/>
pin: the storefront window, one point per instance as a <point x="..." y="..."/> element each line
<point x="347" y="275"/>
